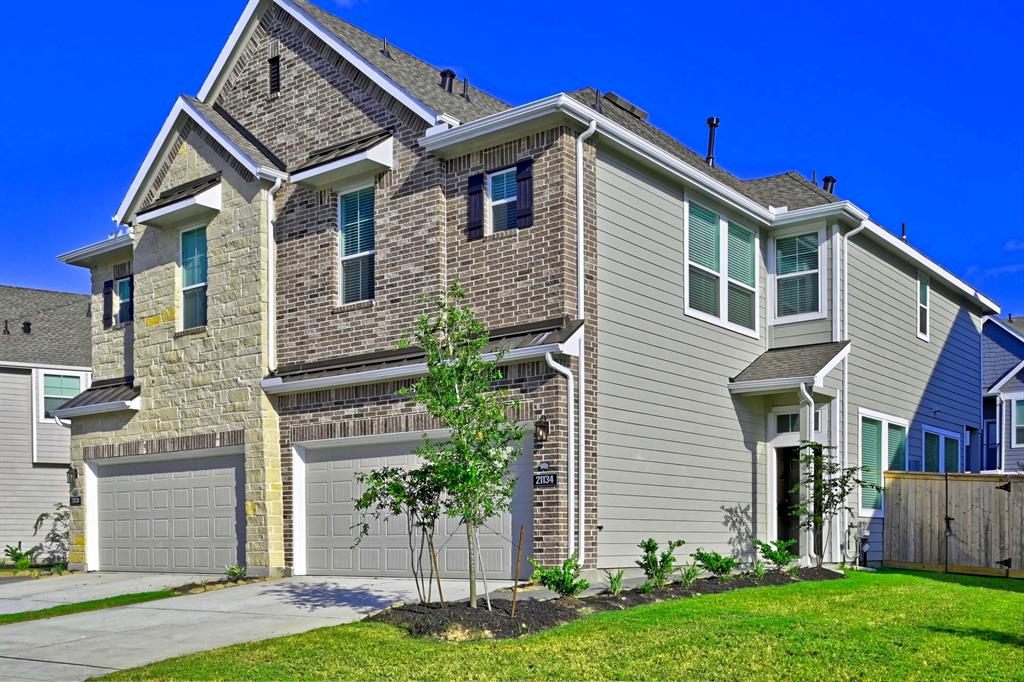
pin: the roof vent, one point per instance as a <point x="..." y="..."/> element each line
<point x="384" y="50"/>
<point x="626" y="105"/>
<point x="26" y="327"/>
<point x="712" y="127"/>
<point x="447" y="79"/>
<point x="829" y="184"/>
<point x="904" y="235"/>
<point x="7" y="329"/>
<point x="465" y="88"/>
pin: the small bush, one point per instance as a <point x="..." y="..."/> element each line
<point x="688" y="574"/>
<point x="235" y="571"/>
<point x="564" y="580"/>
<point x="777" y="552"/>
<point x="22" y="559"/>
<point x="759" y="570"/>
<point x="717" y="564"/>
<point x="658" y="567"/>
<point x="615" y="582"/>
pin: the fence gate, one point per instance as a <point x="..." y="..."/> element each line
<point x="957" y="523"/>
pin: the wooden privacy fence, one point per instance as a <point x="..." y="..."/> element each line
<point x="957" y="523"/>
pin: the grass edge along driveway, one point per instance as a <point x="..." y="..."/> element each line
<point x="82" y="606"/>
<point x="872" y="626"/>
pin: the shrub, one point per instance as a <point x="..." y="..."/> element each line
<point x="717" y="564"/>
<point x="57" y="539"/>
<point x="22" y="559"/>
<point x="615" y="582"/>
<point x="759" y="570"/>
<point x="777" y="552"/>
<point x="689" y="573"/>
<point x="657" y="567"/>
<point x="235" y="571"/>
<point x="564" y="580"/>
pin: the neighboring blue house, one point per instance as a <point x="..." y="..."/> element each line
<point x="1003" y="359"/>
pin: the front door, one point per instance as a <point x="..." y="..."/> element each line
<point x="788" y="495"/>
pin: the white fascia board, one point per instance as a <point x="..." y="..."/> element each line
<point x="819" y="378"/>
<point x="83" y="256"/>
<point x="277" y="386"/>
<point x="567" y="106"/>
<point x="770" y="385"/>
<point x="44" y="366"/>
<point x="239" y="34"/>
<point x="100" y="408"/>
<point x="208" y="200"/>
<point x="181" y="106"/>
<point x="373" y="160"/>
<point x="356" y="60"/>
<point x="841" y="209"/>
<point x="1006" y="328"/>
<point x="998" y="386"/>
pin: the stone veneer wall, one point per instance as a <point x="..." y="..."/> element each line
<point x="112" y="349"/>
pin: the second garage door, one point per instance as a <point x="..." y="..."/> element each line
<point x="180" y="516"/>
<point x="331" y="517"/>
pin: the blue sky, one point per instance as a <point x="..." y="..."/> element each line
<point x="918" y="113"/>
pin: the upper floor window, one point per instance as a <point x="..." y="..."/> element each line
<point x="941" y="451"/>
<point x="124" y="287"/>
<point x="721" y="270"/>
<point x="1017" y="432"/>
<point x="57" y="390"/>
<point x="883" y="447"/>
<point x="193" y="278"/>
<point x="923" y="306"/>
<point x="355" y="222"/>
<point x="798" y="280"/>
<point x="502" y="196"/>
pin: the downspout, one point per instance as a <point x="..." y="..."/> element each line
<point x="846" y="363"/>
<point x="808" y="401"/>
<point x="272" y="277"/>
<point x="581" y="316"/>
<point x="570" y="449"/>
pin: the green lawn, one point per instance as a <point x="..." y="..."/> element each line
<point x="79" y="607"/>
<point x="872" y="626"/>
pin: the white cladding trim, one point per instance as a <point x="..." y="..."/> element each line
<point x="84" y="255"/>
<point x="133" y="405"/>
<point x="186" y="209"/>
<point x="373" y="160"/>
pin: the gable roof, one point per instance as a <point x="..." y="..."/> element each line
<point x="795" y="362"/>
<point x="61" y="331"/>
<point x="789" y="189"/>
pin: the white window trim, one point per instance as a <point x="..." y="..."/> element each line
<point x="1013" y="399"/>
<point x="723" y="275"/>
<point x="822" y="272"/>
<point x="362" y="254"/>
<point x="181" y="274"/>
<point x="886" y="420"/>
<point x="921" y="277"/>
<point x="40" y="395"/>
<point x="943" y="433"/>
<point x="790" y="439"/>
<point x="489" y="204"/>
<point x="117" y="293"/>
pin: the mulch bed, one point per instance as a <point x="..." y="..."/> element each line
<point x="458" y="622"/>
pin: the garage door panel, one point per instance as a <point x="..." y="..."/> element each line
<point x="163" y="516"/>
<point x="332" y="488"/>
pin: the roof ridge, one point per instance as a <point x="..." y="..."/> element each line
<point x="799" y="177"/>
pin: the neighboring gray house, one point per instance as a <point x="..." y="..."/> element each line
<point x="677" y="329"/>
<point x="1003" y="359"/>
<point x="45" y="355"/>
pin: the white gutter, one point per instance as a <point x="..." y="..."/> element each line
<point x="272" y="276"/>
<point x="278" y="386"/>
<point x="570" y="449"/>
<point x="82" y="255"/>
<point x="846" y="363"/>
<point x="100" y="408"/>
<point x="581" y="316"/>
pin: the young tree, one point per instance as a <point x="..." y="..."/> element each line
<point x="472" y="465"/>
<point x="829" y="485"/>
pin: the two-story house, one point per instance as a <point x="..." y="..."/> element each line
<point x="675" y="329"/>
<point x="45" y="348"/>
<point x="1003" y="382"/>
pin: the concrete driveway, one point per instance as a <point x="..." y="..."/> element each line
<point x="82" y="645"/>
<point x="32" y="595"/>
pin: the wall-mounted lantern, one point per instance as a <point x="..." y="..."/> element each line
<point x="541" y="429"/>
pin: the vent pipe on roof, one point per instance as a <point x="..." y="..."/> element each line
<point x="829" y="184"/>
<point x="7" y="329"/>
<point x="904" y="235"/>
<point x="465" y="88"/>
<point x="385" y="51"/>
<point x="26" y="327"/>
<point x="447" y="79"/>
<point x="712" y="127"/>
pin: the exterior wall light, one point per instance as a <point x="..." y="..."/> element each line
<point x="542" y="429"/>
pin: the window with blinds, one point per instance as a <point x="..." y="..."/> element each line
<point x="871" y="463"/>
<point x="502" y="192"/>
<point x="896" y="447"/>
<point x="356" y="227"/>
<point x="721" y="276"/>
<point x="193" y="279"/>
<point x="797" y="276"/>
<point x="57" y="390"/>
<point x="941" y="452"/>
<point x="1017" y="435"/>
<point x="923" y="306"/>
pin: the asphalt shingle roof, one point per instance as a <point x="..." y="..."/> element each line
<point x="183" y="191"/>
<point x="791" y="363"/>
<point x="417" y="77"/>
<point x="787" y="189"/>
<point x="61" y="332"/>
<point x="343" y="149"/>
<point x="235" y="132"/>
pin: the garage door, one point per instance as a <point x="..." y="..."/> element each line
<point x="331" y="491"/>
<point x="180" y="516"/>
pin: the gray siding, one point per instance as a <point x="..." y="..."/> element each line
<point x="1002" y="352"/>
<point x="929" y="383"/>
<point x="1013" y="460"/>
<point x="53" y="443"/>
<point x="677" y="455"/>
<point x="25" y="490"/>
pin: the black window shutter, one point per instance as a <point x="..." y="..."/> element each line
<point x="131" y="299"/>
<point x="108" y="304"/>
<point x="524" y="193"/>
<point x="475" y="223"/>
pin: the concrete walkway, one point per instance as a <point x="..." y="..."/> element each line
<point x="32" y="595"/>
<point x="82" y="645"/>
